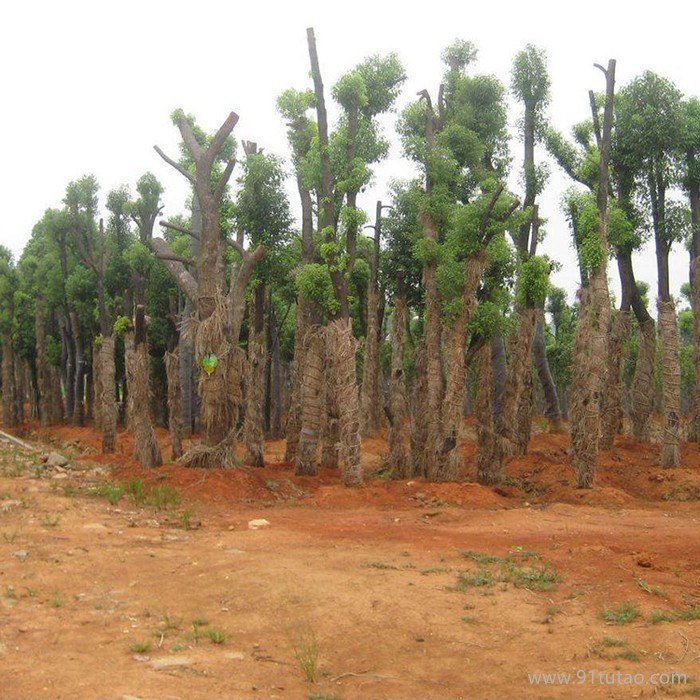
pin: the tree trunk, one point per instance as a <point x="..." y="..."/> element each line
<point x="489" y="471"/>
<point x="42" y="367"/>
<point x="429" y="461"/>
<point x="186" y="357"/>
<point x="330" y="432"/>
<point x="612" y="411"/>
<point x="398" y="460"/>
<point x="668" y="330"/>
<point x="108" y="399"/>
<point x="643" y="382"/>
<point x="371" y="395"/>
<point x="551" y="396"/>
<point x="499" y="368"/>
<point x="340" y="342"/>
<point x="172" y="370"/>
<point x="447" y="464"/>
<point x="79" y="375"/>
<point x="312" y="403"/>
<point x="294" y="415"/>
<point x="695" y="305"/>
<point x="67" y="365"/>
<point x="9" y="408"/>
<point x="589" y="376"/>
<point x="146" y="448"/>
<point x="254" y="433"/>
<point x="56" y="398"/>
<point x="523" y="430"/>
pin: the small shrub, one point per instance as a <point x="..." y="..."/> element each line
<point x="305" y="647"/>
<point x="140" y="647"/>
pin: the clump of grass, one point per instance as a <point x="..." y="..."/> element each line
<point x="50" y="520"/>
<point x="621" y="615"/>
<point x="482" y="577"/>
<point x="468" y="618"/>
<point x="381" y="565"/>
<point x="610" y="649"/>
<point x="534" y="578"/>
<point x="186" y="519"/>
<point x="654" y="590"/>
<point x="57" y="601"/>
<point x="216" y="636"/>
<point x="140" y="647"/>
<point x="164" y="496"/>
<point x="305" y="648"/>
<point x="674" y="615"/>
<point x="481" y="558"/>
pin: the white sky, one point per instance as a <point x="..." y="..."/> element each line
<point x="88" y="86"/>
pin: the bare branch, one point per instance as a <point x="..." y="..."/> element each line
<point x="236" y="246"/>
<point x="179" y="229"/>
<point x="601" y="68"/>
<point x="426" y="96"/>
<point x="596" y="118"/>
<point x="217" y="143"/>
<point x="191" y="143"/>
<point x="225" y="177"/>
<point x="175" y="165"/>
<point x="489" y="208"/>
<point x="176" y="268"/>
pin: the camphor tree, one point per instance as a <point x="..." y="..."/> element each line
<point x="262" y="215"/>
<point x="649" y="141"/>
<point x="219" y="311"/>
<point x="590" y="357"/>
<point x="336" y="166"/>
<point x="459" y="144"/>
<point x="8" y="287"/>
<point x="530" y="84"/>
<point x="691" y="184"/>
<point x="144" y="211"/>
<point x="90" y="241"/>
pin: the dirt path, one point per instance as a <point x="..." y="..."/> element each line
<point x="120" y="601"/>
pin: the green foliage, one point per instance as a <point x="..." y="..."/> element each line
<point x="529" y="78"/>
<point x="533" y="281"/>
<point x="313" y="282"/>
<point x="121" y="326"/>
<point x="489" y="321"/>
<point x="459" y="54"/>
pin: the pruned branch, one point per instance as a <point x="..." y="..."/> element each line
<point x="424" y="94"/>
<point x="179" y="229"/>
<point x="489" y="208"/>
<point x="191" y="143"/>
<point x="225" y="177"/>
<point x="175" y="164"/>
<point x="217" y="143"/>
<point x="185" y="281"/>
<point x="236" y="246"/>
<point x="596" y="118"/>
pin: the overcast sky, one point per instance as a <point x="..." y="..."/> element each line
<point x="88" y="86"/>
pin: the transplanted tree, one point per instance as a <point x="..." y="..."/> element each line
<point x="649" y="137"/>
<point x="590" y="359"/>
<point x="90" y="243"/>
<point x="8" y="288"/>
<point x="219" y="311"/>
<point x="337" y="167"/>
<point x="262" y="215"/>
<point x="530" y="84"/>
<point x="143" y="211"/>
<point x="691" y="184"/>
<point x="459" y="143"/>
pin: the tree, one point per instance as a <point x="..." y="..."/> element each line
<point x="144" y="212"/>
<point x="591" y="332"/>
<point x="219" y="313"/>
<point x="649" y="126"/>
<point x="691" y="185"/>
<point x="8" y="288"/>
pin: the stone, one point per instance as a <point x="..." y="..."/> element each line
<point x="234" y="551"/>
<point x="94" y="526"/>
<point x="56" y="459"/>
<point x="21" y="554"/>
<point x="61" y="475"/>
<point x="235" y="655"/>
<point x="258" y="523"/>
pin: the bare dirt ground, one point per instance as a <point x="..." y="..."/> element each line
<point x="398" y="590"/>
